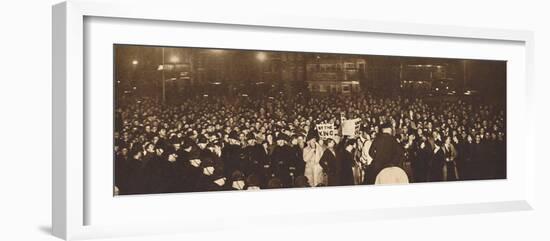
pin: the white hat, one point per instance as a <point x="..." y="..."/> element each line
<point x="392" y="175"/>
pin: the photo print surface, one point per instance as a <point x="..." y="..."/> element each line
<point x="190" y="119"/>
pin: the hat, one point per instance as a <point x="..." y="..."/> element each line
<point x="174" y="139"/>
<point x="187" y="142"/>
<point x="237" y="175"/>
<point x="391" y="175"/>
<point x="385" y="125"/>
<point x="349" y="142"/>
<point x="233" y="135"/>
<point x="250" y="136"/>
<point x="202" y="139"/>
<point x="275" y="183"/>
<point x="216" y="143"/>
<point x="281" y="136"/>
<point x="313" y="133"/>
<point x="207" y="161"/>
<point x="253" y="180"/>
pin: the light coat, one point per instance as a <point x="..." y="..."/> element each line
<point x="313" y="170"/>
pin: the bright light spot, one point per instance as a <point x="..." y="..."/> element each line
<point x="436" y="89"/>
<point x="216" y="83"/>
<point x="135" y="62"/>
<point x="174" y="59"/>
<point x="447" y="87"/>
<point x="135" y="88"/>
<point x="205" y="95"/>
<point x="261" y="56"/>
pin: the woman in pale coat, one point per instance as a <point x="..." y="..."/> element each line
<point x="312" y="156"/>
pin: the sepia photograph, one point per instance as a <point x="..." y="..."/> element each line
<point x="191" y="119"/>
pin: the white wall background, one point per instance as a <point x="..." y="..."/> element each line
<point x="25" y="119"/>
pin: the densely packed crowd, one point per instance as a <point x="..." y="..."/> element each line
<point x="259" y="142"/>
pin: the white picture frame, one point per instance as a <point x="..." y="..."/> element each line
<point x="70" y="110"/>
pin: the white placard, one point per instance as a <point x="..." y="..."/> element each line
<point x="327" y="131"/>
<point x="350" y="127"/>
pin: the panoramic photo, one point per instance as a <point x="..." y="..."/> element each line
<point x="190" y="119"/>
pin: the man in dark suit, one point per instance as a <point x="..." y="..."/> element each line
<point x="345" y="159"/>
<point x="385" y="151"/>
<point x="190" y="164"/>
<point x="232" y="154"/>
<point x="297" y="164"/>
<point x="171" y="173"/>
<point x="252" y="156"/>
<point x="265" y="164"/>
<point x="280" y="159"/>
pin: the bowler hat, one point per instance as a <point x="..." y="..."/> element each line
<point x="385" y="125"/>
<point x="233" y="135"/>
<point x="282" y="136"/>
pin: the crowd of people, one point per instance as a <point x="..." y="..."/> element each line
<point x="209" y="143"/>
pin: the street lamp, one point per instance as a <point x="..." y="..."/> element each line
<point x="174" y="59"/>
<point x="133" y="71"/>
<point x="218" y="56"/>
<point x="261" y="56"/>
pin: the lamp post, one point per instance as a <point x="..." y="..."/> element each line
<point x="133" y="81"/>
<point x="163" y="80"/>
<point x="261" y="56"/>
<point x="218" y="58"/>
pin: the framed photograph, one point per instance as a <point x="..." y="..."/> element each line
<point x="167" y="123"/>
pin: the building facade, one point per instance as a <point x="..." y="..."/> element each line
<point x="336" y="73"/>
